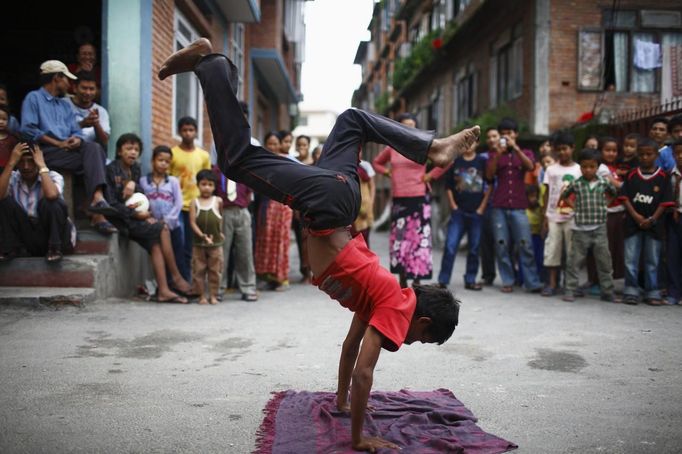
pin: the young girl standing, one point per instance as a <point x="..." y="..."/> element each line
<point x="206" y="221"/>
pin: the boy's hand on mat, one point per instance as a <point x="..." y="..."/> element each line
<point x="371" y="444"/>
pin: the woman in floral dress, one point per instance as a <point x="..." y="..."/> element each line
<point x="410" y="238"/>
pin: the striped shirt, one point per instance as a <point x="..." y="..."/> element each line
<point x="28" y="197"/>
<point x="590" y="203"/>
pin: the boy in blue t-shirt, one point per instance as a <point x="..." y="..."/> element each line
<point x="468" y="197"/>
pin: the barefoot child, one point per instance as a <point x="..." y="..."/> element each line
<point x="122" y="176"/>
<point x="328" y="197"/>
<point x="207" y="248"/>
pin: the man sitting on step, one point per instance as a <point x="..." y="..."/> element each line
<point x="33" y="215"/>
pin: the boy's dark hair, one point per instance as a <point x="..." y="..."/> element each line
<point x="304" y="137"/>
<point x="659" y="120"/>
<point x="606" y="139"/>
<point x="674" y="121"/>
<point x="632" y="136"/>
<point x="161" y="149"/>
<point x="508" y="124"/>
<point x="206" y="174"/>
<point x="284" y="133"/>
<point x="645" y="142"/>
<point x="406" y="116"/>
<point x="128" y="137"/>
<point x="676" y="144"/>
<point x="184" y="121"/>
<point x="85" y="76"/>
<point x="588" y="154"/>
<point x="5" y="109"/>
<point x="441" y="307"/>
<point x="563" y="138"/>
<point x="490" y="128"/>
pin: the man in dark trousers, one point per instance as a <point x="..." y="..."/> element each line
<point x="33" y="215"/>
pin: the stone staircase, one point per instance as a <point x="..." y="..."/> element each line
<point x="100" y="267"/>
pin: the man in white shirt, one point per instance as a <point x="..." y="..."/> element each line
<point x="93" y="118"/>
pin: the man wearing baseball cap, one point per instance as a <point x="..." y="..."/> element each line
<point x="47" y="118"/>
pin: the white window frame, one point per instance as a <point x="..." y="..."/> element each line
<point x="237" y="54"/>
<point x="196" y="95"/>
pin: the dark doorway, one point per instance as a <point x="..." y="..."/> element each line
<point x="33" y="32"/>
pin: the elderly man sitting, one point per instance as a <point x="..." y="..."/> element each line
<point x="47" y="118"/>
<point x="33" y="215"/>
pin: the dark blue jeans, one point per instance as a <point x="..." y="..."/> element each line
<point x="642" y="243"/>
<point x="178" y="242"/>
<point x="674" y="255"/>
<point x="185" y="251"/>
<point x="460" y="223"/>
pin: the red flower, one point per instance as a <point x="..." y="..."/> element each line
<point x="437" y="43"/>
<point x="585" y="117"/>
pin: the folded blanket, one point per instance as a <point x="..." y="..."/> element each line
<point x="420" y="422"/>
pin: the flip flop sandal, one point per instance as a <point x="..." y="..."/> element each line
<point x="507" y="289"/>
<point x="54" y="256"/>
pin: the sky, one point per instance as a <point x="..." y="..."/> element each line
<point x="334" y="29"/>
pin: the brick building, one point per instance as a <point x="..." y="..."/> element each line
<point x="265" y="39"/>
<point x="546" y="62"/>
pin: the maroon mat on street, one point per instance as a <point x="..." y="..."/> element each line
<point x="424" y="422"/>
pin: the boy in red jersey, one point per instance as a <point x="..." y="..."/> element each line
<point x="328" y="197"/>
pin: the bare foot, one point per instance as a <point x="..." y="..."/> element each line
<point x="214" y="300"/>
<point x="203" y="301"/>
<point x="185" y="59"/>
<point x="444" y="151"/>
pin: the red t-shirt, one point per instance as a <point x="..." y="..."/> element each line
<point x="373" y="293"/>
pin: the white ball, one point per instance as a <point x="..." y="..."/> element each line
<point x="140" y="198"/>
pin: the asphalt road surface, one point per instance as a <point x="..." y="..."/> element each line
<point x="128" y="376"/>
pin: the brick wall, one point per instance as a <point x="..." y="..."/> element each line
<point x="163" y="15"/>
<point x="162" y="91"/>
<point x="568" y="17"/>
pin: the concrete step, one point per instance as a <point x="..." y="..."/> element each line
<point x="42" y="297"/>
<point x="91" y="242"/>
<point x="72" y="271"/>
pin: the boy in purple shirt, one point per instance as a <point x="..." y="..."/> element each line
<point x="165" y="200"/>
<point x="508" y="163"/>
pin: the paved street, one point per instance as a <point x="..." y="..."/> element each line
<point x="123" y="376"/>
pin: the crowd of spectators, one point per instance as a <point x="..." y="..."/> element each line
<point x="538" y="218"/>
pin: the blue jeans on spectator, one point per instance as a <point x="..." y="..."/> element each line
<point x="460" y="223"/>
<point x="674" y="256"/>
<point x="511" y="225"/>
<point x="178" y="242"/>
<point x="187" y="245"/>
<point x="650" y="250"/>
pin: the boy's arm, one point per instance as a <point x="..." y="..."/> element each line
<point x="193" y="222"/>
<point x="639" y="219"/>
<point x="451" y="199"/>
<point x="380" y="161"/>
<point x="349" y="353"/>
<point x="484" y="202"/>
<point x="363" y="376"/>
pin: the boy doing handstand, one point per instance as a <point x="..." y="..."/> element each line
<point x="328" y="197"/>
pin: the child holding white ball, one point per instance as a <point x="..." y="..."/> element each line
<point x="132" y="217"/>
